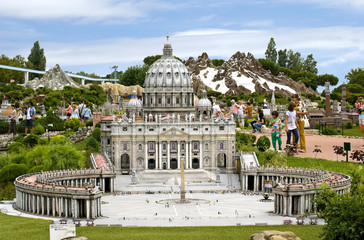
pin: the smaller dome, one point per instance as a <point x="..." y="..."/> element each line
<point x="204" y="101"/>
<point x="134" y="102"/>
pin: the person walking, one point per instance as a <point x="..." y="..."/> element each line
<point x="276" y="125"/>
<point x="249" y="111"/>
<point x="300" y="114"/>
<point x="29" y="117"/>
<point x="265" y="103"/>
<point x="291" y="124"/>
<point x="81" y="109"/>
<point x="234" y="109"/>
<point x="216" y="110"/>
<point x="87" y="113"/>
<point x="69" y="111"/>
<point x="361" y="116"/>
<point x="75" y="113"/>
<point x="12" y="121"/>
<point x="241" y="111"/>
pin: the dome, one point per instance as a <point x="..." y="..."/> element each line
<point x="167" y="71"/>
<point x="134" y="102"/>
<point x="204" y="101"/>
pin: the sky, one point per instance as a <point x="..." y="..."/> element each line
<point x="94" y="35"/>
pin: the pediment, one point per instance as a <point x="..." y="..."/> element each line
<point x="173" y="132"/>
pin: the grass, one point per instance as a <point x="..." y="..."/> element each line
<point x="314" y="163"/>
<point x="12" y="227"/>
<point x="355" y="131"/>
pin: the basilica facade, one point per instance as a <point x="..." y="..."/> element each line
<point x="169" y="126"/>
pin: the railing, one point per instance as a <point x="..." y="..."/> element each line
<point x="323" y="126"/>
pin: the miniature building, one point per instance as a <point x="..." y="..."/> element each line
<point x="172" y="128"/>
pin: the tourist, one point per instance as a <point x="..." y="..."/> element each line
<point x="276" y="125"/>
<point x="30" y="115"/>
<point x="257" y="124"/>
<point x="234" y="109"/>
<point x="69" y="111"/>
<point x="291" y="124"/>
<point x="12" y="121"/>
<point x="75" y="113"/>
<point x="81" y="109"/>
<point x="241" y="110"/>
<point x="300" y="113"/>
<point x="87" y="113"/>
<point x="216" y="110"/>
<point x="361" y="116"/>
<point x="265" y="103"/>
<point x="249" y="111"/>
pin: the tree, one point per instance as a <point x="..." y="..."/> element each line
<point x="37" y="58"/>
<point x="282" y="58"/>
<point x="309" y="64"/>
<point x="321" y="79"/>
<point x="271" y="52"/>
<point x="356" y="76"/>
<point x="134" y="75"/>
<point x="269" y="65"/>
<point x="151" y="59"/>
<point x="295" y="62"/>
<point x="217" y="62"/>
<point x="18" y="61"/>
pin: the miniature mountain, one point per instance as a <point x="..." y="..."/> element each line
<point x="54" y="79"/>
<point x="240" y="74"/>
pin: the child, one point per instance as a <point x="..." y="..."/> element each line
<point x="241" y="110"/>
<point x="291" y="124"/>
<point x="276" y="125"/>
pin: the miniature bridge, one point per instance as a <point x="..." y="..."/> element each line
<point x="83" y="78"/>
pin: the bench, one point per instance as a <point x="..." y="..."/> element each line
<point x="313" y="220"/>
<point x="300" y="221"/>
<point x="90" y="222"/>
<point x="77" y="222"/>
<point x="63" y="221"/>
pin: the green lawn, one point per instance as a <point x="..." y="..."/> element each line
<point x="314" y="163"/>
<point x="355" y="131"/>
<point x="19" y="228"/>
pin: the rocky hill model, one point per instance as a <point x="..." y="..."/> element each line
<point x="54" y="79"/>
<point x="240" y="74"/>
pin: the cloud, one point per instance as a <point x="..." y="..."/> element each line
<point x="354" y="5"/>
<point x="206" y="18"/>
<point x="259" y="23"/>
<point x="82" y="10"/>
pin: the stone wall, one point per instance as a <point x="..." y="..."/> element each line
<point x="82" y="133"/>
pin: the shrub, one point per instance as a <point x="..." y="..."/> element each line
<point x="16" y="147"/>
<point x="92" y="144"/>
<point x="59" y="140"/>
<point x="19" y="138"/>
<point x="98" y="125"/>
<point x="348" y="125"/>
<point x="263" y="143"/>
<point x="97" y="134"/>
<point x="7" y="192"/>
<point x="332" y="131"/>
<point x="43" y="141"/>
<point x="39" y="129"/>
<point x="271" y="158"/>
<point x="31" y="140"/>
<point x="89" y="123"/>
<point x="11" y="171"/>
<point x="73" y="124"/>
<point x="4" y="126"/>
<point x="37" y="168"/>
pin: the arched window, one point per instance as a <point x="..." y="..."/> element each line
<point x="206" y="146"/>
<point x="173" y="146"/>
<point x="140" y="147"/>
<point x="164" y="147"/>
<point x="151" y="146"/>
<point x="183" y="146"/>
<point x="195" y="146"/>
<point x="125" y="147"/>
<point x="221" y="145"/>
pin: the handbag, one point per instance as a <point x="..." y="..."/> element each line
<point x="307" y="123"/>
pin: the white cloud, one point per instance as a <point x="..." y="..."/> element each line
<point x="206" y="18"/>
<point x="82" y="10"/>
<point x="355" y="5"/>
<point x="259" y="23"/>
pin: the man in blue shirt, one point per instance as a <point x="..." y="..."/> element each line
<point x="29" y="117"/>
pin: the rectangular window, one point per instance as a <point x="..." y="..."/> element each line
<point x="151" y="129"/>
<point x="177" y="100"/>
<point x="222" y="128"/>
<point x="168" y="101"/>
<point x="139" y="129"/>
<point x="160" y="100"/>
<point x="206" y="129"/>
<point x="195" y="129"/>
<point x="125" y="129"/>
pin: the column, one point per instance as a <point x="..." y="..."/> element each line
<point x="178" y="155"/>
<point x="255" y="183"/>
<point x="34" y="206"/>
<point x="48" y="206"/>
<point x="53" y="206"/>
<point x="160" y="155"/>
<point x="190" y="160"/>
<point x="146" y="155"/>
<point x="42" y="203"/>
<point x="168" y="156"/>
<point x="66" y="208"/>
<point x="87" y="208"/>
<point x="284" y="206"/>
<point x="289" y="206"/>
<point x="200" y="151"/>
<point x="187" y="156"/>
<point x="157" y="166"/>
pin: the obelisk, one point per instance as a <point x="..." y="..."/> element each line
<point x="183" y="191"/>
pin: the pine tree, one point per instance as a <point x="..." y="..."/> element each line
<point x="295" y="62"/>
<point x="271" y="52"/>
<point x="309" y="64"/>
<point x="282" y="58"/>
<point x="37" y="58"/>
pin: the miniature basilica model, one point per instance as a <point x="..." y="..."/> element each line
<point x="168" y="126"/>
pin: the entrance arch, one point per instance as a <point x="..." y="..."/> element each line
<point x="151" y="164"/>
<point x="125" y="161"/>
<point x="195" y="163"/>
<point x="173" y="163"/>
<point x="164" y="165"/>
<point x="221" y="160"/>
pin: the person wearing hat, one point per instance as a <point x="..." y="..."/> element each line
<point x="235" y="108"/>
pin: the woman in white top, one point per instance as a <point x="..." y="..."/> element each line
<point x="291" y="124"/>
<point x="241" y="110"/>
<point x="75" y="113"/>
